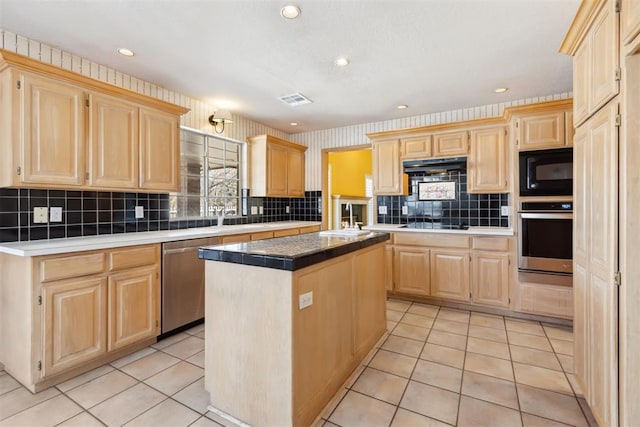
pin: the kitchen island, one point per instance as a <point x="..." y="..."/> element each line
<point x="288" y="320"/>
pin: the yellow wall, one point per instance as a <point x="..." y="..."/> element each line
<point x="348" y="169"/>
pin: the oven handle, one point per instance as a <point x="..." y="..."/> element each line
<point x="546" y="215"/>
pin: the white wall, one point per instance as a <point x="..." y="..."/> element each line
<point x="242" y="127"/>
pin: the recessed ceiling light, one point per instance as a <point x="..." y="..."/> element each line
<point x="402" y="107"/>
<point x="290" y="11"/>
<point x="341" y="61"/>
<point x="501" y="90"/>
<point x="126" y="52"/>
<point x="293" y="124"/>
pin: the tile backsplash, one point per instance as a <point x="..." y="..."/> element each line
<point x="90" y="213"/>
<point x="468" y="209"/>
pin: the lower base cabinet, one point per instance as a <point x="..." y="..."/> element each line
<point x="450" y="274"/>
<point x="76" y="311"/>
<point x="411" y="270"/>
<point x="490" y="278"/>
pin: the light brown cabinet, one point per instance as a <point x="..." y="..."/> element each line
<point x="595" y="68"/>
<point x="277" y="167"/>
<point x="629" y="20"/>
<point x="51" y="131"/>
<point x="77" y="311"/>
<point x="387" y="171"/>
<point x="487" y="164"/>
<point x="75" y="323"/>
<point x="416" y="147"/>
<point x="60" y="129"/>
<point x="411" y="267"/>
<point x="450" y="274"/>
<point x="450" y="144"/>
<point x="490" y="259"/>
<point x="113" y="143"/>
<point x="541" y="131"/>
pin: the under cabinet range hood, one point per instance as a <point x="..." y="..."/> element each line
<point x="434" y="166"/>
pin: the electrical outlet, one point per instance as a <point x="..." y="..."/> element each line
<point x="55" y="214"/>
<point x="254" y="210"/>
<point x="504" y="210"/>
<point x="382" y="210"/>
<point x="139" y="212"/>
<point x="405" y="210"/>
<point x="261" y="209"/>
<point x="40" y="215"/>
<point x="305" y="300"/>
<point x="286" y="209"/>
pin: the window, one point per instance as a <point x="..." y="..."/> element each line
<point x="209" y="176"/>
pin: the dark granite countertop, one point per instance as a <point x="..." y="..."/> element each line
<point x="292" y="252"/>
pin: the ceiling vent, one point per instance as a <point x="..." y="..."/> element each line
<point x="295" y="99"/>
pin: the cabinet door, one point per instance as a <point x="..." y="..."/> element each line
<point x="277" y="175"/>
<point x="159" y="151"/>
<point x="450" y="274"/>
<point x="388" y="259"/>
<point x="581" y="89"/>
<point x="602" y="263"/>
<point x="490" y="278"/>
<point x="53" y="133"/>
<point x="113" y="142"/>
<point x="569" y="129"/>
<point x="541" y="131"/>
<point x="629" y="20"/>
<point x="417" y="147"/>
<point x="487" y="162"/>
<point x="603" y="62"/>
<point x="134" y="306"/>
<point x="295" y="173"/>
<point x="411" y="270"/>
<point x="75" y="322"/>
<point x="387" y="176"/>
<point x="450" y="144"/>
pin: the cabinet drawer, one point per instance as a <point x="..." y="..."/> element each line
<point x="491" y="243"/>
<point x="71" y="266"/>
<point x="432" y="239"/>
<point x="547" y="300"/>
<point x="262" y="235"/>
<point x="236" y="238"/>
<point x="309" y="229"/>
<point x="287" y="232"/>
<point x="130" y="257"/>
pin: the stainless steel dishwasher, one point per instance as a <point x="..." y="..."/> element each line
<point x="183" y="282"/>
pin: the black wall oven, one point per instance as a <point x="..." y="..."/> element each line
<point x="546" y="172"/>
<point x="545" y="240"/>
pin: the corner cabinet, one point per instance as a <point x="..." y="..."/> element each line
<point x="77" y="311"/>
<point x="60" y="129"/>
<point x="387" y="168"/>
<point x="277" y="167"/>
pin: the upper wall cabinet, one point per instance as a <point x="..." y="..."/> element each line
<point x="487" y="162"/>
<point x="450" y="144"/>
<point x="542" y="126"/>
<point x="387" y="170"/>
<point x="277" y="167"/>
<point x="60" y="129"/>
<point x="416" y="147"/>
<point x="629" y="20"/>
<point x="596" y="72"/>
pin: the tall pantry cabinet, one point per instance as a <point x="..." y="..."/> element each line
<point x="604" y="42"/>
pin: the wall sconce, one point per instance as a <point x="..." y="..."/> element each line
<point x="219" y="118"/>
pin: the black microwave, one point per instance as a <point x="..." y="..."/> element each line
<point x="546" y="172"/>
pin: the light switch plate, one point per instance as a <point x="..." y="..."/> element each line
<point x="261" y="209"/>
<point x="40" y="215"/>
<point x="504" y="210"/>
<point x="139" y="212"/>
<point x="254" y="210"/>
<point x="305" y="300"/>
<point x="405" y="210"/>
<point x="286" y="209"/>
<point x="55" y="214"/>
<point x="382" y="210"/>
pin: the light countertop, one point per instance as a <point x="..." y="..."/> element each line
<point x="75" y="244"/>
<point x="494" y="231"/>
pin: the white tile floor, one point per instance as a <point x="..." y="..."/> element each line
<point x="437" y="367"/>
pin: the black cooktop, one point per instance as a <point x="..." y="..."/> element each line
<point x="436" y="226"/>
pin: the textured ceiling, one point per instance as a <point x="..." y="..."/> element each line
<point x="242" y="55"/>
